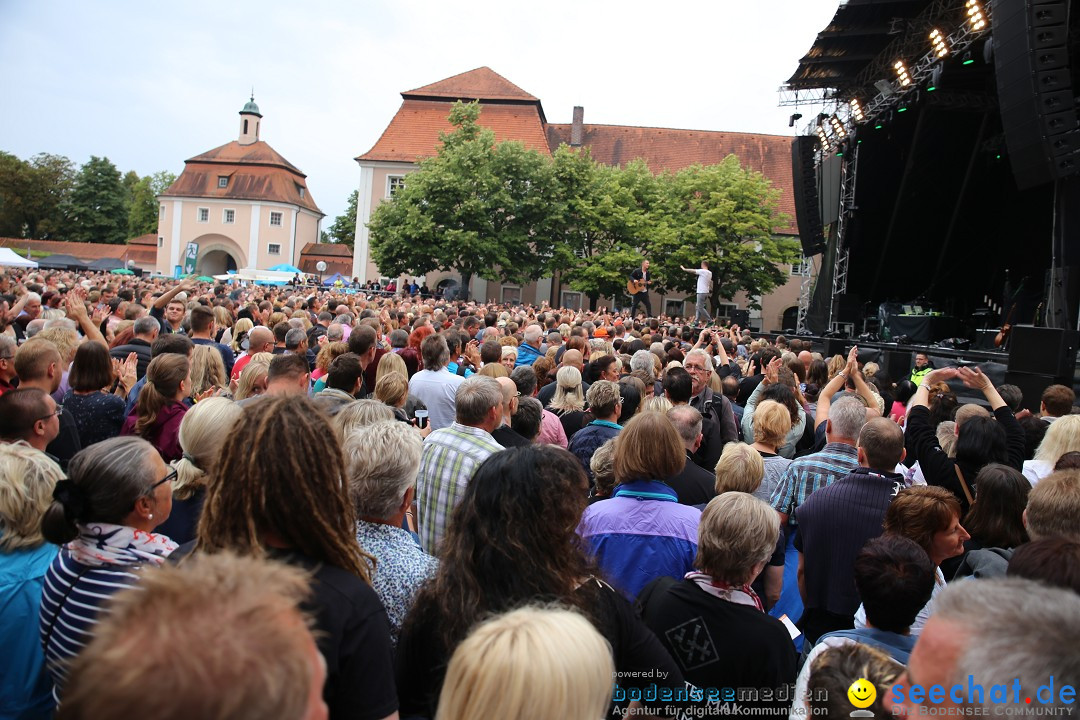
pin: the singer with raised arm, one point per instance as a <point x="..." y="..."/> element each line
<point x="704" y="286"/>
<point x="638" y="288"/>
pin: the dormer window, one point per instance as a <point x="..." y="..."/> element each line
<point x="301" y="190"/>
<point x="223" y="181"/>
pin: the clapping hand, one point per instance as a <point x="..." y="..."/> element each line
<point x="772" y="371"/>
<point x="973" y="378"/>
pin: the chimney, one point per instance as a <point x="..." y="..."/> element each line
<point x="577" y="129"/>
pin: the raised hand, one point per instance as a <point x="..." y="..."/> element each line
<point x="973" y="378"/>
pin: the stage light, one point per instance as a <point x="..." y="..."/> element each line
<point x="937" y="42"/>
<point x="878" y="126"/>
<point x="823" y="138"/>
<point x="838" y="128"/>
<point x="793" y="118"/>
<point x="967" y="60"/>
<point x="901" y="109"/>
<point x="901" y="73"/>
<point x="884" y="87"/>
<point x="976" y="19"/>
<point x="856" y="110"/>
<point x="935" y="78"/>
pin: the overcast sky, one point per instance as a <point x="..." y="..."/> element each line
<point x="151" y="84"/>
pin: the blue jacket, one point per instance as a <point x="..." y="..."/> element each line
<point x="25" y="685"/>
<point x="588" y="439"/>
<point x="641" y="534"/>
<point x="526" y="355"/>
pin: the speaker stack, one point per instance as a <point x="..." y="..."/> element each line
<point x="804" y="185"/>
<point x="1035" y="94"/>
<point x="1040" y="357"/>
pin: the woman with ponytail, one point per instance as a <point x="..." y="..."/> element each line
<point x="203" y="431"/>
<point x="160" y="407"/>
<point x="104" y="516"/>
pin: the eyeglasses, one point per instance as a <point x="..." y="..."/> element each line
<point x="168" y="478"/>
<point x="695" y="368"/>
<point x="6" y="357"/>
<point x="57" y="412"/>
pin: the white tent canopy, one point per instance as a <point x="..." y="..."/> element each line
<point x="10" y="258"/>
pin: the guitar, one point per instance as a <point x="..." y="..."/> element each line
<point x="635" y="286"/>
<point x="1006" y="328"/>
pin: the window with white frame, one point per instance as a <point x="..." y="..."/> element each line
<point x="571" y="300"/>
<point x="204" y="215"/>
<point x="511" y="295"/>
<point x="275" y="219"/>
<point x="802" y="268"/>
<point x="161" y="211"/>
<point x="228" y="216"/>
<point x="393" y="184"/>
<point x="273" y="249"/>
<point x="223" y="181"/>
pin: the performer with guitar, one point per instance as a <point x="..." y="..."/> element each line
<point x="638" y="288"/>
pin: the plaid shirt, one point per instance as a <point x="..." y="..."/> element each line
<point x="810" y="473"/>
<point x="450" y="456"/>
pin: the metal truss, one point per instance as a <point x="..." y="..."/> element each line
<point x="848" y="171"/>
<point x="805" y="287"/>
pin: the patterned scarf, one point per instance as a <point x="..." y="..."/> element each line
<point x="738" y="594"/>
<point x="101" y="544"/>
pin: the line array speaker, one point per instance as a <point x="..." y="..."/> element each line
<point x="804" y="185"/>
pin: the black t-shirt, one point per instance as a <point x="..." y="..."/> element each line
<point x="694" y="485"/>
<point x="352" y="632"/>
<point x="719" y="644"/>
<point x="640" y="658"/>
<point x="508" y="437"/>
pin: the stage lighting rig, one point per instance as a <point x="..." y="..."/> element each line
<point x="856" y="110"/>
<point x="838" y="128"/>
<point x="902" y="75"/>
<point x="938" y="43"/>
<point x="976" y="18"/>
<point x="823" y="138"/>
<point x="793" y="118"/>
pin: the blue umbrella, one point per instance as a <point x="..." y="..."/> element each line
<point x="286" y="267"/>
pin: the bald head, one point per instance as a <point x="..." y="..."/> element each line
<point x="260" y="339"/>
<point x="806" y="358"/>
<point x="572" y="358"/>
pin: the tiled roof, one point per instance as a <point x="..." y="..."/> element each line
<point x="413" y="134"/>
<point x="324" y="250"/>
<point x="483" y="83"/>
<point x="672" y="150"/>
<point x="88" y="252"/>
<point x="147" y="239"/>
<point x="255" y="172"/>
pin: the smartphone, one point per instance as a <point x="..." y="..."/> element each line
<point x="421" y="418"/>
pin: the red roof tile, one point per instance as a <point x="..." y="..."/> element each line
<point x="324" y="250"/>
<point x="413" y="134"/>
<point x="255" y="172"/>
<point x="147" y="239"/>
<point x="483" y="83"/>
<point x="672" y="150"/>
<point x="88" y="252"/>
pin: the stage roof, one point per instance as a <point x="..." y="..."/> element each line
<point x="858" y="32"/>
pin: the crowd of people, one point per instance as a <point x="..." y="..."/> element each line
<point x="293" y="502"/>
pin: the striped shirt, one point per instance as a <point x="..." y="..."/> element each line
<point x="450" y="457"/>
<point x="810" y="473"/>
<point x="71" y="601"/>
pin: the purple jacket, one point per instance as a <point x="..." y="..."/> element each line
<point x="165" y="435"/>
<point x="641" y="534"/>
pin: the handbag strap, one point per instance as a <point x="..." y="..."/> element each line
<point x="963" y="484"/>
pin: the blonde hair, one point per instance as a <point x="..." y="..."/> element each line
<point x="27" y="479"/>
<point x="257" y="367"/>
<point x="1061" y="437"/>
<point x="533" y="663"/>
<point x="328" y="352"/>
<point x="656" y="403"/>
<point x="739" y="469"/>
<point x="568" y="394"/>
<point x="494" y="370"/>
<point x="357" y="414"/>
<point x="946" y="437"/>
<point x="203" y="431"/>
<point x="1053" y="505"/>
<point x="65" y="339"/>
<point x="243" y="325"/>
<point x="649" y="448"/>
<point x="508" y="350"/>
<point x="207" y="370"/>
<point x="970" y="410"/>
<point x="382" y="460"/>
<point x="392" y="389"/>
<point x="226" y="631"/>
<point x="391" y="362"/>
<point x="772" y="423"/>
<point x="222" y="317"/>
<point x="737" y="533"/>
<point x="164" y="376"/>
<point x="836" y="364"/>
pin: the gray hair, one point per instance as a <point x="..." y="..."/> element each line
<point x="847" y="417"/>
<point x="533" y="333"/>
<point x="475" y="398"/>
<point x="643" y="361"/>
<point x="61" y="322"/>
<point x="35" y="326"/>
<point x="358" y="413"/>
<point x="7" y="346"/>
<point x="687" y="422"/>
<point x="399" y="338"/>
<point x="703" y="355"/>
<point x="737" y="532"/>
<point x="297" y="324"/>
<point x="435" y="352"/>
<point x="568" y="394"/>
<point x="525" y="378"/>
<point x="344" y="319"/>
<point x="293" y="338"/>
<point x="382" y="460"/>
<point x="526" y="421"/>
<point x="113" y="474"/>
<point x="335" y="332"/>
<point x="146" y="325"/>
<point x="1018" y="629"/>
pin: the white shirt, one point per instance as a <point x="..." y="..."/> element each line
<point x="437" y="389"/>
<point x="704" y="280"/>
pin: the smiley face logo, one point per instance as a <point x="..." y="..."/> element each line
<point x="862" y="693"/>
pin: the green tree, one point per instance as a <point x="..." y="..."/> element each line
<point x="477" y="207"/>
<point x="32" y="194"/>
<point x="97" y="210"/>
<point x="727" y="215"/>
<point x="143" y="210"/>
<point x="343" y="230"/>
